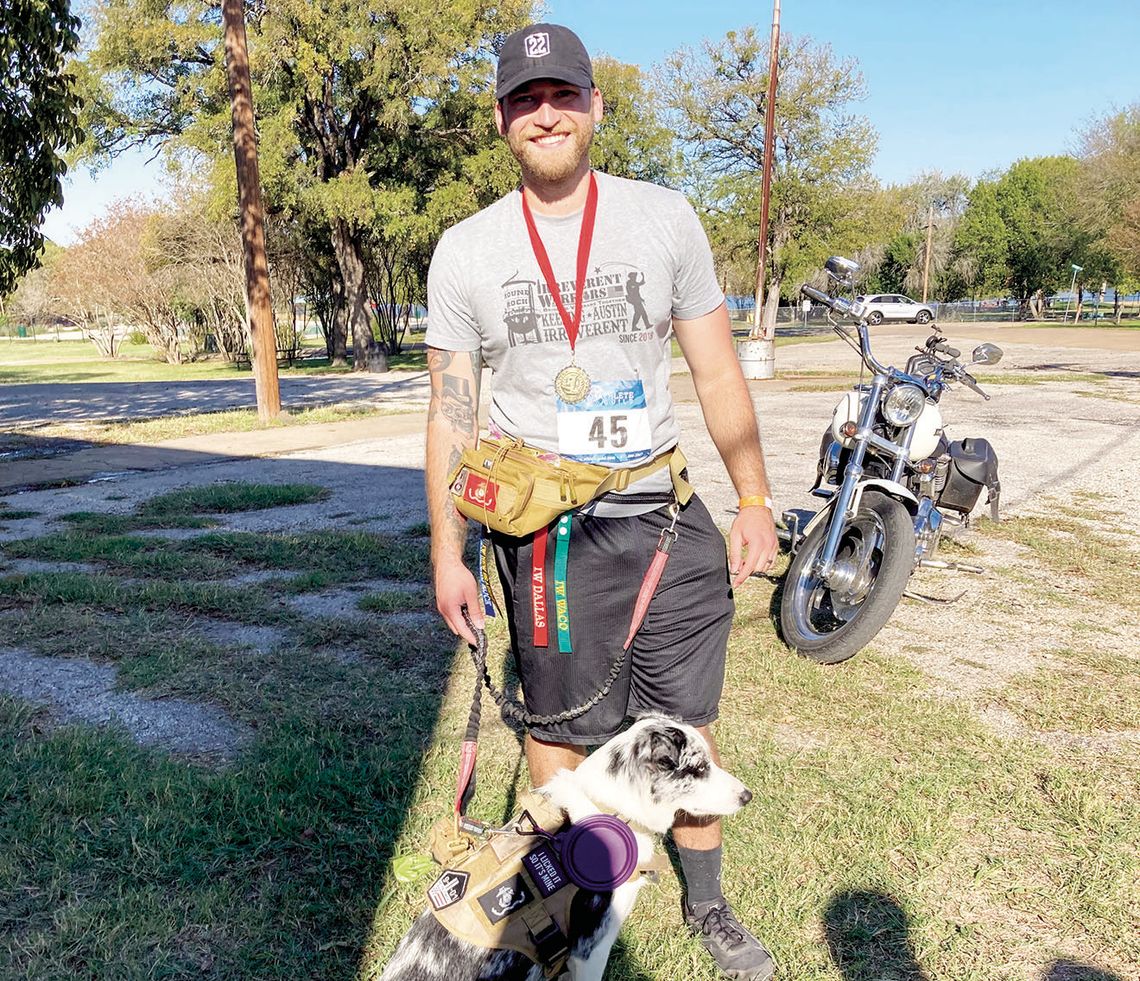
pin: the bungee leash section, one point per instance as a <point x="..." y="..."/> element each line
<point x="465" y="779"/>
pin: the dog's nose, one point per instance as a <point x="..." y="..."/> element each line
<point x="745" y="797"/>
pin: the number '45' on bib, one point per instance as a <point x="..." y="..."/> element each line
<point x="610" y="426"/>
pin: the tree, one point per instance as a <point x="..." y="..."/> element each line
<point x="118" y="277"/>
<point x="32" y="302"/>
<point x="38" y="124"/>
<point x="1036" y="200"/>
<point x="982" y="241"/>
<point x="199" y="246"/>
<point x="715" y="101"/>
<point x="631" y="140"/>
<point x="1109" y="194"/>
<point x="357" y="100"/>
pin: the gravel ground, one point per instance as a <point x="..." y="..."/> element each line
<point x="1051" y="441"/>
<point x="78" y="690"/>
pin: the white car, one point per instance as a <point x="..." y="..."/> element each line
<point x="891" y="306"/>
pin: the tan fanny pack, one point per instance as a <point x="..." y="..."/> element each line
<point x="507" y="486"/>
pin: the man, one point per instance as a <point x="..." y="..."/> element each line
<point x="587" y="384"/>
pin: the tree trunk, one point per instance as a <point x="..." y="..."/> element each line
<point x="1036" y="305"/>
<point x="1116" y="311"/>
<point x="335" y="326"/>
<point x="771" y="307"/>
<point x="346" y="245"/>
<point x="1080" y="301"/>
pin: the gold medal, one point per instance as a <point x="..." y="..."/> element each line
<point x="572" y="384"/>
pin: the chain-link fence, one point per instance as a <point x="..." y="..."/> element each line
<point x="1059" y="309"/>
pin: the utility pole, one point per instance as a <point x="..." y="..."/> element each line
<point x="1072" y="286"/>
<point x="926" y="267"/>
<point x="758" y="354"/>
<point x="262" y="337"/>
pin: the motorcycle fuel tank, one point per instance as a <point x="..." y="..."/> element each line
<point x="927" y="428"/>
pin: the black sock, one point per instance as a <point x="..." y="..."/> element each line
<point x="702" y="874"/>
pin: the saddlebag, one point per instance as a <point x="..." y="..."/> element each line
<point x="973" y="465"/>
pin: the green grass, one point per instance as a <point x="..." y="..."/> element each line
<point x="202" y="424"/>
<point x="394" y="601"/>
<point x="228" y="498"/>
<point x="180" y="509"/>
<point x="1104" y="323"/>
<point x="892" y="834"/>
<point x="1082" y="695"/>
<point x="324" y="559"/>
<point x="340" y="556"/>
<point x="28" y="361"/>
<point x="1110" y="396"/>
<point x="1071" y="544"/>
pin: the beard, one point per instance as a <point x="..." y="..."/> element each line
<point x="547" y="166"/>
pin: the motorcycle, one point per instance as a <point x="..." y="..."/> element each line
<point x="893" y="483"/>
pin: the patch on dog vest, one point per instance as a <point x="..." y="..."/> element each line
<point x="545" y="870"/>
<point x="501" y="901"/>
<point x="449" y="888"/>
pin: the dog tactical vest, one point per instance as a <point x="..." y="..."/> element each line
<point x="511" y="892"/>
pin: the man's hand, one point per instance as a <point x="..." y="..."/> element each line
<point x="752" y="543"/>
<point x="455" y="587"/>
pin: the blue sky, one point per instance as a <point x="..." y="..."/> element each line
<point x="961" y="86"/>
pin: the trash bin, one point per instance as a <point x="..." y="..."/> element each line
<point x="21" y="331"/>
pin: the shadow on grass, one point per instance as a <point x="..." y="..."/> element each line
<point x="125" y="862"/>
<point x="1074" y="971"/>
<point x="868" y="937"/>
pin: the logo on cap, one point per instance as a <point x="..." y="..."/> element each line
<point x="537" y="45"/>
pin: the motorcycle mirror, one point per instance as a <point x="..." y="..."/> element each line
<point x="841" y="270"/>
<point x="987" y="354"/>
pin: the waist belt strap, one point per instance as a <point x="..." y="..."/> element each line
<point x="674" y="459"/>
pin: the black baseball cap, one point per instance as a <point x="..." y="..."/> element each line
<point x="543" y="51"/>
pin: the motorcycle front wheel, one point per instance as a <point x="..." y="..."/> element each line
<point x="831" y="621"/>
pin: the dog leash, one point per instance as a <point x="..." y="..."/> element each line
<point x="465" y="779"/>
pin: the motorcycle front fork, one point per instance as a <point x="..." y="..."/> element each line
<point x="825" y="563"/>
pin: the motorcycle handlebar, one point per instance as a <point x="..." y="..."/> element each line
<point x="836" y="303"/>
<point x="946" y="349"/>
<point x="968" y="380"/>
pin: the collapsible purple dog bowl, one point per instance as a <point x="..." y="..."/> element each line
<point x="599" y="852"/>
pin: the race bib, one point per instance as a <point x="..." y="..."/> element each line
<point x="610" y="426"/>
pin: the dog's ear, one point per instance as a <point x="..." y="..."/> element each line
<point x="665" y="747"/>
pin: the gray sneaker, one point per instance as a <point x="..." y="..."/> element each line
<point x="735" y="950"/>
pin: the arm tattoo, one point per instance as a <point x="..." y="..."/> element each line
<point x="455" y="398"/>
<point x="439" y="360"/>
<point x="457" y="403"/>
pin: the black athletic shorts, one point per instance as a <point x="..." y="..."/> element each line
<point x="676" y="663"/>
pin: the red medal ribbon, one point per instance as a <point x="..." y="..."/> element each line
<point x="585" y="237"/>
<point x="539" y="609"/>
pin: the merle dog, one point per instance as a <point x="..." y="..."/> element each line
<point x="648" y="774"/>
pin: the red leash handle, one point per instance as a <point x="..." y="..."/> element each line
<point x="649" y="583"/>
<point x="467" y="753"/>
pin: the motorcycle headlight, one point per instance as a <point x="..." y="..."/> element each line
<point x="903" y="405"/>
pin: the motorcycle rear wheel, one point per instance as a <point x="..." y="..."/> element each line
<point x="876" y="556"/>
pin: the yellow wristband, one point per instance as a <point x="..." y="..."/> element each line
<point x="757" y="501"/>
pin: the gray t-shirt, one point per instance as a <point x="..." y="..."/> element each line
<point x="649" y="262"/>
